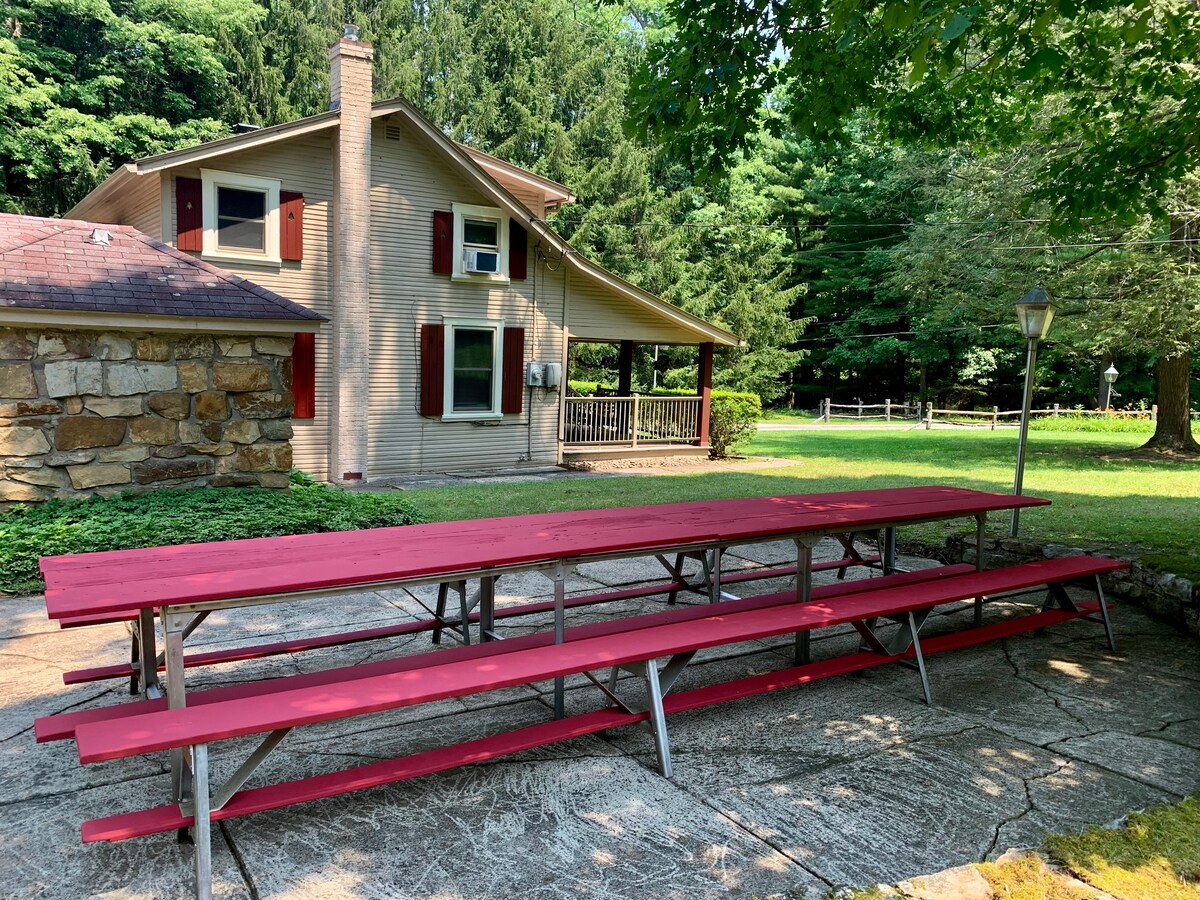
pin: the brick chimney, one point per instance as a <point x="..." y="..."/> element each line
<point x="349" y="264"/>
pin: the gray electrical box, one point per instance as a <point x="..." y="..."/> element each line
<point x="552" y="375"/>
<point x="535" y="375"/>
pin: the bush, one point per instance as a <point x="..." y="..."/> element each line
<point x="182" y="516"/>
<point x="734" y="420"/>
<point x="1119" y="422"/>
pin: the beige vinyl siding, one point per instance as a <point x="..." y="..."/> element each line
<point x="303" y="164"/>
<point x="143" y="209"/>
<point x="595" y="313"/>
<point x="410" y="181"/>
<point x="531" y="198"/>
<point x="137" y="205"/>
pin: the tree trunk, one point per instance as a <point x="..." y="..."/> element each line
<point x="1173" y="431"/>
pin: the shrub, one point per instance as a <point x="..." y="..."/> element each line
<point x="586" y="388"/>
<point x="182" y="516"/>
<point x="734" y="420"/>
<point x="1074" y="421"/>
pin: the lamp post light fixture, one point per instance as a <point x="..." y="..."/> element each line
<point x="1110" y="378"/>
<point x="1035" y="312"/>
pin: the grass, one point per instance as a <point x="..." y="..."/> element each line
<point x="1155" y="856"/>
<point x="790" y="416"/>
<point x="1028" y="878"/>
<point x="1101" y="496"/>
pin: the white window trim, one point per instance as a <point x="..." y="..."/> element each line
<point x="497" y="327"/>
<point x="490" y="214"/>
<point x="213" y="179"/>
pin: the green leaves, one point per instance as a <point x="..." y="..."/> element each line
<point x="956" y="27"/>
<point x="1114" y="79"/>
<point x="167" y="517"/>
<point x="1047" y="60"/>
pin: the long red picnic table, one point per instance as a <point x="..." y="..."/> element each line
<point x="123" y="580"/>
<point x="183" y="584"/>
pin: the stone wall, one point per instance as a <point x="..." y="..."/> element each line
<point x="85" y="413"/>
<point x="1165" y="595"/>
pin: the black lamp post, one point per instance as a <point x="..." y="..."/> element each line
<point x="1110" y="378"/>
<point x="1035" y="312"/>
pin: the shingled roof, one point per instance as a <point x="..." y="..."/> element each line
<point x="58" y="264"/>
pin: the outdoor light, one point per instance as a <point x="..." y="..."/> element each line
<point x="1110" y="378"/>
<point x="1035" y="312"/>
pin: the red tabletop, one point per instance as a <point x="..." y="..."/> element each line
<point x="122" y="580"/>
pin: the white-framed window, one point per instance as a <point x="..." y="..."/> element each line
<point x="473" y="368"/>
<point x="241" y="217"/>
<point x="480" y="243"/>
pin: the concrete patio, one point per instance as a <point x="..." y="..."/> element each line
<point x="848" y="781"/>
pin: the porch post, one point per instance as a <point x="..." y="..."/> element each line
<point x="704" y="389"/>
<point x="625" y="370"/>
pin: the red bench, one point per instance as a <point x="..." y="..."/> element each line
<point x="62" y="725"/>
<point x="274" y="708"/>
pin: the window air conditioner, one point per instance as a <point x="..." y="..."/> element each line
<point x="484" y="261"/>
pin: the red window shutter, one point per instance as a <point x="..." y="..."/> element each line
<point x="433" y="370"/>
<point x="189" y="214"/>
<point x="518" y="251"/>
<point x="291" y="225"/>
<point x="443" y="242"/>
<point x="512" y="384"/>
<point x="304" y="376"/>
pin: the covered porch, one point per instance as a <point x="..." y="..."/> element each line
<point x="616" y="420"/>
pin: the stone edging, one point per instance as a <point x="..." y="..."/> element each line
<point x="1167" y="596"/>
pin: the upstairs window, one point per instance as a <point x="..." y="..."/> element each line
<point x="241" y="220"/>
<point x="241" y="217"/>
<point x="480" y="244"/>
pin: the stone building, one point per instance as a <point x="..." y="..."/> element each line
<point x="127" y="364"/>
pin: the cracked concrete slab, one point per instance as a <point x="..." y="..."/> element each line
<point x="925" y="805"/>
<point x="1069" y="799"/>
<point x="846" y="781"/>
<point x="1162" y="764"/>
<point x="550" y="828"/>
<point x="41" y="854"/>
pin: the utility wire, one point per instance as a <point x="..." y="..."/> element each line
<point x="1027" y="248"/>
<point x="809" y="226"/>
<point x="822" y="340"/>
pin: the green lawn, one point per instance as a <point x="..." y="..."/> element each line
<point x="1155" y="856"/>
<point x="1100" y="499"/>
<point x="790" y="416"/>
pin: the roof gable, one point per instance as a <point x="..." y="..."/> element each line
<point x="469" y="163"/>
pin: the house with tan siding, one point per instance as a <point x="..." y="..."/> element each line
<point x="451" y="303"/>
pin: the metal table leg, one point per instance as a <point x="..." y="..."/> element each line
<point x="889" y="551"/>
<point x="980" y="520"/>
<point x="202" y="825"/>
<point x="487" y="609"/>
<point x="559" y="577"/>
<point x="804" y="555"/>
<point x="147" y="654"/>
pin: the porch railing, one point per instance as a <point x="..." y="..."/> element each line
<point x="631" y="420"/>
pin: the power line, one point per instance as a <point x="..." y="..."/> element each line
<point x="791" y="226"/>
<point x="1025" y="248"/>
<point x="810" y="226"/>
<point x="823" y="340"/>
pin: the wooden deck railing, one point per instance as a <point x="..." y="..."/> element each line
<point x="631" y="420"/>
